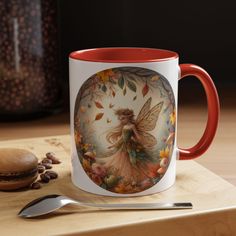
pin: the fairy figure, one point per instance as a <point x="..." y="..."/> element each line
<point x="130" y="142"/>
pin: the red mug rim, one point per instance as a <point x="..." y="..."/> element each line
<point x="123" y="54"/>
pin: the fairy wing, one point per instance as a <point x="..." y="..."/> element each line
<point x="148" y="139"/>
<point x="149" y="119"/>
<point x="146" y="107"/>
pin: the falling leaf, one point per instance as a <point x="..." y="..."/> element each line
<point x="172" y="118"/>
<point x="99" y="116"/>
<point x="145" y="90"/>
<point x="113" y="93"/>
<point x="104" y="88"/>
<point x="155" y="78"/>
<point x="121" y="82"/>
<point x="89" y="106"/>
<point x="164" y="153"/>
<point x="134" y="98"/>
<point x="82" y="109"/>
<point x="108" y="120"/>
<point x="131" y="85"/>
<point x="124" y="91"/>
<point x="111" y="105"/>
<point x="98" y="105"/>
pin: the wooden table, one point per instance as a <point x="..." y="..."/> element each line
<point x="214" y="211"/>
<point x="220" y="158"/>
<point x="213" y="198"/>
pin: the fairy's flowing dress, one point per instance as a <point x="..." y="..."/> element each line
<point x="130" y="159"/>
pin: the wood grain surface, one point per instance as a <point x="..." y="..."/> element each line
<point x="213" y="198"/>
<point x="220" y="158"/>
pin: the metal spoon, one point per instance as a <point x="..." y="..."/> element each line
<point x="50" y="203"/>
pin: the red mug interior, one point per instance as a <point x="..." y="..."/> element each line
<point x="121" y="55"/>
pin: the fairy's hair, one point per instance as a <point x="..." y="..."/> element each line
<point x="124" y="112"/>
<point x="115" y="132"/>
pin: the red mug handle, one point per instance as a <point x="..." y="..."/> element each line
<point x="213" y="111"/>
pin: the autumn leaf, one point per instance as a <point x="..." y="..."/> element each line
<point x="155" y="78"/>
<point x="99" y="116"/>
<point x="120" y="188"/>
<point x="89" y="106"/>
<point x="111" y="105"/>
<point x="98" y="105"/>
<point x="86" y="146"/>
<point x="108" y="120"/>
<point x="86" y="165"/>
<point x="111" y="180"/>
<point x="82" y="109"/>
<point x="172" y="117"/>
<point x="104" y="88"/>
<point x="145" y="90"/>
<point x="131" y="85"/>
<point x="113" y="93"/>
<point x="78" y="137"/>
<point x="105" y="75"/>
<point x="164" y="153"/>
<point x="121" y="82"/>
<point x="124" y="91"/>
<point x="134" y="98"/>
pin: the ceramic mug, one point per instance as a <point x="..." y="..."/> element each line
<point x="123" y="104"/>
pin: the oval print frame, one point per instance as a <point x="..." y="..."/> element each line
<point x="124" y="128"/>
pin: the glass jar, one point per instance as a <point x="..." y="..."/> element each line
<point x="29" y="58"/>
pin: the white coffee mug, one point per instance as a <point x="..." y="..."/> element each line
<point x="123" y="104"/>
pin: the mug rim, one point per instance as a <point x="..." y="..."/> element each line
<point x="124" y="55"/>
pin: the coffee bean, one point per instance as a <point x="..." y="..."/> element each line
<point x="45" y="178"/>
<point x="46" y="160"/>
<point x="35" y="185"/>
<point x="52" y="174"/>
<point x="56" y="161"/>
<point x="52" y="156"/>
<point x="41" y="168"/>
<point x="47" y="165"/>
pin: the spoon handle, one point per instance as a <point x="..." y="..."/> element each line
<point x="141" y="206"/>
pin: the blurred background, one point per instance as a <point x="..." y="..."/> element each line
<point x="200" y="31"/>
<point x="37" y="36"/>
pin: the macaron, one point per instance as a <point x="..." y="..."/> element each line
<point x="18" y="168"/>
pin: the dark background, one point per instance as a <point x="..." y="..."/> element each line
<point x="202" y="32"/>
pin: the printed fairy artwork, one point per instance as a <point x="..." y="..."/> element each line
<point x="124" y="128"/>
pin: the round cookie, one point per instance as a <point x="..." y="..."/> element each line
<point x="18" y="168"/>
